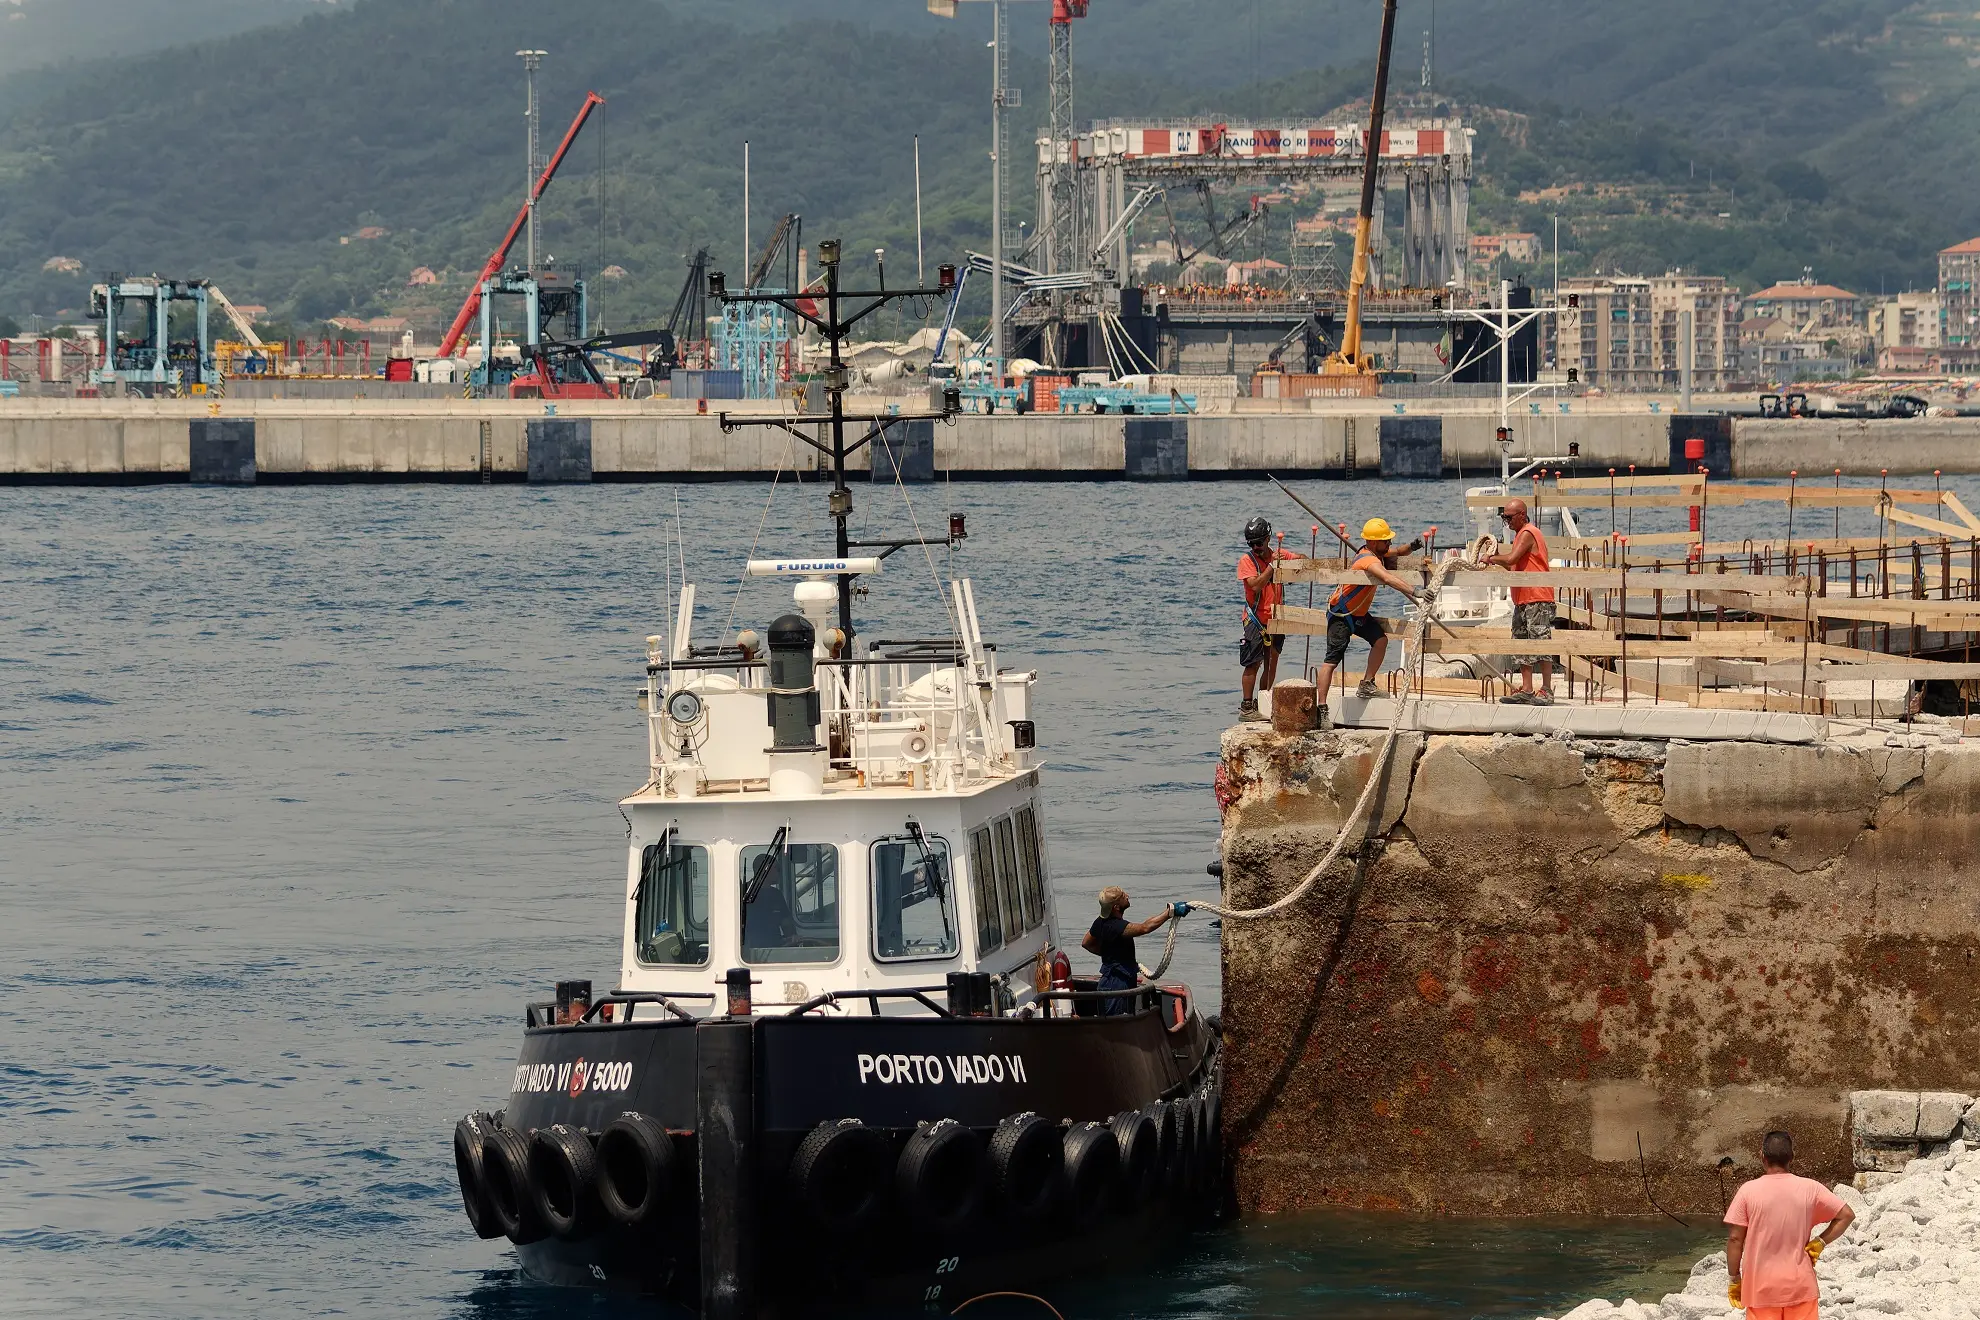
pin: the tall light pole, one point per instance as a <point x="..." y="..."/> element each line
<point x="531" y="59"/>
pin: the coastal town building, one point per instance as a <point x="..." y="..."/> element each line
<point x="1808" y="306"/>
<point x="1626" y="332"/>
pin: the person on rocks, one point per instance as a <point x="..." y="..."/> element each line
<point x="1347" y="612"/>
<point x="1768" y="1249"/>
<point x="1258" y="653"/>
<point x="1112" y="937"/>
<point x="1533" y="607"/>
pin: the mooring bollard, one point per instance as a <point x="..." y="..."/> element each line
<point x="1294" y="707"/>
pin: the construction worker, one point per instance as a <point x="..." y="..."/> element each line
<point x="1258" y="653"/>
<point x="1347" y="611"/>
<point x="1533" y="607"/>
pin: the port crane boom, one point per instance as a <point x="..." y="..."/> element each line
<point x="1349" y="360"/>
<point x="493" y="267"/>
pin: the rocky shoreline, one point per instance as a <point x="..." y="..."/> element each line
<point x="1914" y="1251"/>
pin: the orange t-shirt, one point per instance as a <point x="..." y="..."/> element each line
<point x="1262" y="600"/>
<point x="1779" y="1212"/>
<point x="1533" y="561"/>
<point x="1351" y="598"/>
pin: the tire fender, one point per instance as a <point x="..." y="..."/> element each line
<point x="505" y="1161"/>
<point x="1027" y="1165"/>
<point x="1093" y="1162"/>
<point x="563" y="1170"/>
<point x="637" y="1164"/>
<point x="470" y="1166"/>
<point x="839" y="1174"/>
<point x="939" y="1175"/>
<point x="1140" y="1143"/>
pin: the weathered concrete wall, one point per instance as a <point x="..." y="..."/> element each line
<point x="1569" y="947"/>
<point x="1770" y="448"/>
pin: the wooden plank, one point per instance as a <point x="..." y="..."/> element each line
<point x="1722" y="495"/>
<point x="1587" y="579"/>
<point x="1730" y="645"/>
<point x="1640" y="539"/>
<point x="1622" y="482"/>
<point x="1556" y="501"/>
<point x="1961" y="512"/>
<point x="1886" y="670"/>
<point x="1928" y="524"/>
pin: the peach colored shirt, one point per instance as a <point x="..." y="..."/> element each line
<point x="1779" y="1212"/>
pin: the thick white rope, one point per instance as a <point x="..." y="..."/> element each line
<point x="1419" y="619"/>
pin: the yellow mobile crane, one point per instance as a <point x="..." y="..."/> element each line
<point x="1350" y="362"/>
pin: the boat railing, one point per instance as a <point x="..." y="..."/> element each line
<point x="919" y="993"/>
<point x="544" y="1012"/>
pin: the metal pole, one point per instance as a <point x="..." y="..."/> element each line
<point x="998" y="34"/>
<point x="1505" y="353"/>
<point x="531" y="59"/>
<point x="920" y="270"/>
<point x="746" y="248"/>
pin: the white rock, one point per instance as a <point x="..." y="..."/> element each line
<point x="1595" y="1310"/>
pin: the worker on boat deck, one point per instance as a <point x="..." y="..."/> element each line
<point x="1258" y="653"/>
<point x="1769" y="1252"/>
<point x="1112" y="937"/>
<point x="1533" y="607"/>
<point x="1347" y="612"/>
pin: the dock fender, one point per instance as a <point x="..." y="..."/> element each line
<point x="1163" y="1115"/>
<point x="470" y="1145"/>
<point x="939" y="1175"/>
<point x="636" y="1169"/>
<point x="1027" y="1162"/>
<point x="1140" y="1143"/>
<point x="505" y="1162"/>
<point x="1184" y="1170"/>
<point x="1093" y="1162"/>
<point x="839" y="1174"/>
<point x="564" y="1171"/>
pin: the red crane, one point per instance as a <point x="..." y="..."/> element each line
<point x="493" y="267"/>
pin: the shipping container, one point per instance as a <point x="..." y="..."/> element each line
<point x="705" y="385"/>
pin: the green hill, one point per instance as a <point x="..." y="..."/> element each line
<point x="257" y="159"/>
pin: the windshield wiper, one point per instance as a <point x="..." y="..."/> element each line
<point x="761" y="871"/>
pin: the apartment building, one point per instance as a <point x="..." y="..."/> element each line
<point x="1626" y="332"/>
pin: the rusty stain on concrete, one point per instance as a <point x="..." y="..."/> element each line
<point x="1566" y="946"/>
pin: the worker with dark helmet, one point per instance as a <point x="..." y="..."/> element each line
<point x="1258" y="653"/>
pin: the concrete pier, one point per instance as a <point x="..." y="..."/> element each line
<point x="1579" y="964"/>
<point x="90" y="440"/>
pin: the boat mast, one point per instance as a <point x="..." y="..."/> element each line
<point x="835" y="324"/>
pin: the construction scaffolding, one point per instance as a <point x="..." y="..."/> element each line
<point x="756" y="340"/>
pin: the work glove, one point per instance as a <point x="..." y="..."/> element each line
<point x="1732" y="1293"/>
<point x="1179" y="909"/>
<point x="1814" y="1248"/>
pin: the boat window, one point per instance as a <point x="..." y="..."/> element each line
<point x="1031" y="868"/>
<point x="1007" y="879"/>
<point x="914" y="906"/>
<point x="983" y="892"/>
<point x="670" y="907"/>
<point x="793" y="914"/>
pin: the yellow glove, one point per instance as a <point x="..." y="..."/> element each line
<point x="1732" y="1292"/>
<point x="1814" y="1248"/>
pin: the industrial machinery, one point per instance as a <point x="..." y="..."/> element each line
<point x="1350" y="365"/>
<point x="491" y="270"/>
<point x="553" y="312"/>
<point x="140" y="353"/>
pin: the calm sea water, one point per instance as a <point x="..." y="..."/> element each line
<point x="304" y="791"/>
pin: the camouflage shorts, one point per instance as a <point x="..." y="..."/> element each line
<point x="1534" y="619"/>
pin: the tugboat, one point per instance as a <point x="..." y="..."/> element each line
<point x="846" y="1065"/>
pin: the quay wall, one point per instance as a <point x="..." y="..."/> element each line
<point x="73" y="440"/>
<point x="1569" y="947"/>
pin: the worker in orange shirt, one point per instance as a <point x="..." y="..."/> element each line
<point x="1533" y="607"/>
<point x="1769" y="1252"/>
<point x="1347" y="611"/>
<point x="1258" y="653"/>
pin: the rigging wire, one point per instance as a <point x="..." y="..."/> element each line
<point x="790" y="452"/>
<point x="955" y="624"/>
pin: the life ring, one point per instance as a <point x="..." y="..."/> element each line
<point x="505" y="1163"/>
<point x="939" y="1175"/>
<point x="563" y="1170"/>
<point x="470" y="1144"/>
<point x="1027" y="1159"/>
<point x="839" y="1174"/>
<point x="636" y="1162"/>
<point x="1140" y="1143"/>
<point x="1093" y="1161"/>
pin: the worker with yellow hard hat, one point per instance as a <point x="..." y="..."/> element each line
<point x="1347" y="611"/>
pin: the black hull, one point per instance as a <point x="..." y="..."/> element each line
<point x="739" y="1097"/>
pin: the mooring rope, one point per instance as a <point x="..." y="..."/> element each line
<point x="1474" y="557"/>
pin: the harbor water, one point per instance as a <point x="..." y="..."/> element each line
<point x="304" y="791"/>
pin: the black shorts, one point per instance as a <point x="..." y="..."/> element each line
<point x="1257" y="644"/>
<point x="1342" y="629"/>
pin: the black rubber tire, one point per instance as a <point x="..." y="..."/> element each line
<point x="839" y="1175"/>
<point x="505" y="1163"/>
<point x="636" y="1169"/>
<point x="1027" y="1165"/>
<point x="1213" y="1147"/>
<point x="563" y="1169"/>
<point x="1206" y="1142"/>
<point x="1163" y="1115"/>
<point x="939" y="1176"/>
<point x="1140" y="1143"/>
<point x="470" y="1143"/>
<point x="1093" y="1163"/>
<point x="1183" y="1174"/>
